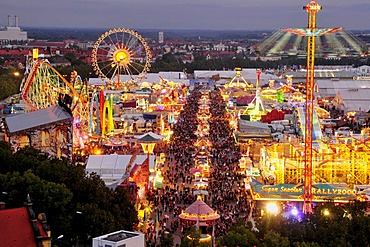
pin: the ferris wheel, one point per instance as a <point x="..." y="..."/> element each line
<point x="121" y="51"/>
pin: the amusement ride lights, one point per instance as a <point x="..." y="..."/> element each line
<point x="311" y="32"/>
<point x="120" y="51"/>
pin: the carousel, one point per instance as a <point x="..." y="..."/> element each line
<point x="204" y="217"/>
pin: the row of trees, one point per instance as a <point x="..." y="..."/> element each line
<point x="170" y="62"/>
<point x="341" y="227"/>
<point x="77" y="206"/>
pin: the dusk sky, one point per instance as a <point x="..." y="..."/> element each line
<point x="186" y="14"/>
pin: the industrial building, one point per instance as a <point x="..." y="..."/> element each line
<point x="12" y="33"/>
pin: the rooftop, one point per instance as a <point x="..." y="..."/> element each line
<point x="16" y="228"/>
<point x="199" y="210"/>
<point x="149" y="137"/>
<point x="119" y="236"/>
<point x="38" y="118"/>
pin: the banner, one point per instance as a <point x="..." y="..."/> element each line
<point x="294" y="192"/>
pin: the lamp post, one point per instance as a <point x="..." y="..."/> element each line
<point x="2" y="201"/>
<point x="80" y="218"/>
<point x="147" y="142"/>
<point x="56" y="239"/>
<point x="148" y="147"/>
<point x="56" y="242"/>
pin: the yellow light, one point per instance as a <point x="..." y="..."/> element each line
<point x="326" y="212"/>
<point x="148" y="147"/>
<point x="122" y="57"/>
<point x="35" y="53"/>
<point x="140" y="214"/>
<point x="272" y="208"/>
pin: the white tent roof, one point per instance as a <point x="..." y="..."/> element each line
<point x="114" y="162"/>
<point x="355" y="93"/>
<point x="356" y="99"/>
<point x="141" y="158"/>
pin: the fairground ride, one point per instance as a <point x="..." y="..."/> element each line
<point x="119" y="52"/>
<point x="238" y="81"/>
<point x="43" y="86"/>
<point x="338" y="160"/>
<point x="311" y="33"/>
<point x="255" y="109"/>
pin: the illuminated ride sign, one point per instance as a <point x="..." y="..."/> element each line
<point x="294" y="192"/>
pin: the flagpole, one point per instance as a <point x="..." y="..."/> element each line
<point x="213" y="235"/>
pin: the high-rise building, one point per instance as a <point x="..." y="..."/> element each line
<point x="160" y="37"/>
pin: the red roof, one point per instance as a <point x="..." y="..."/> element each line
<point x="45" y="44"/>
<point x="16" y="228"/>
<point x="13" y="52"/>
<point x="174" y="42"/>
<point x="226" y="52"/>
<point x="199" y="207"/>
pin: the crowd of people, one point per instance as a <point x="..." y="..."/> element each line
<point x="226" y="190"/>
<point x="176" y="193"/>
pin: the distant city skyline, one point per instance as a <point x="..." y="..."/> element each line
<point x="190" y="14"/>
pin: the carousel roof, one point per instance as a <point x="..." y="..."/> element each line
<point x="199" y="210"/>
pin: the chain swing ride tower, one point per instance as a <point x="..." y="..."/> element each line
<point x="312" y="8"/>
<point x="311" y="32"/>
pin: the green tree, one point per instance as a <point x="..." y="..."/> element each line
<point x="47" y="197"/>
<point x="274" y="239"/>
<point x="359" y="228"/>
<point x="239" y="235"/>
<point x="10" y="81"/>
<point x="77" y="206"/>
<point x="271" y="223"/>
<point x="191" y="238"/>
<point x="85" y="71"/>
<point x="305" y="244"/>
<point x="166" y="240"/>
<point x="327" y="220"/>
